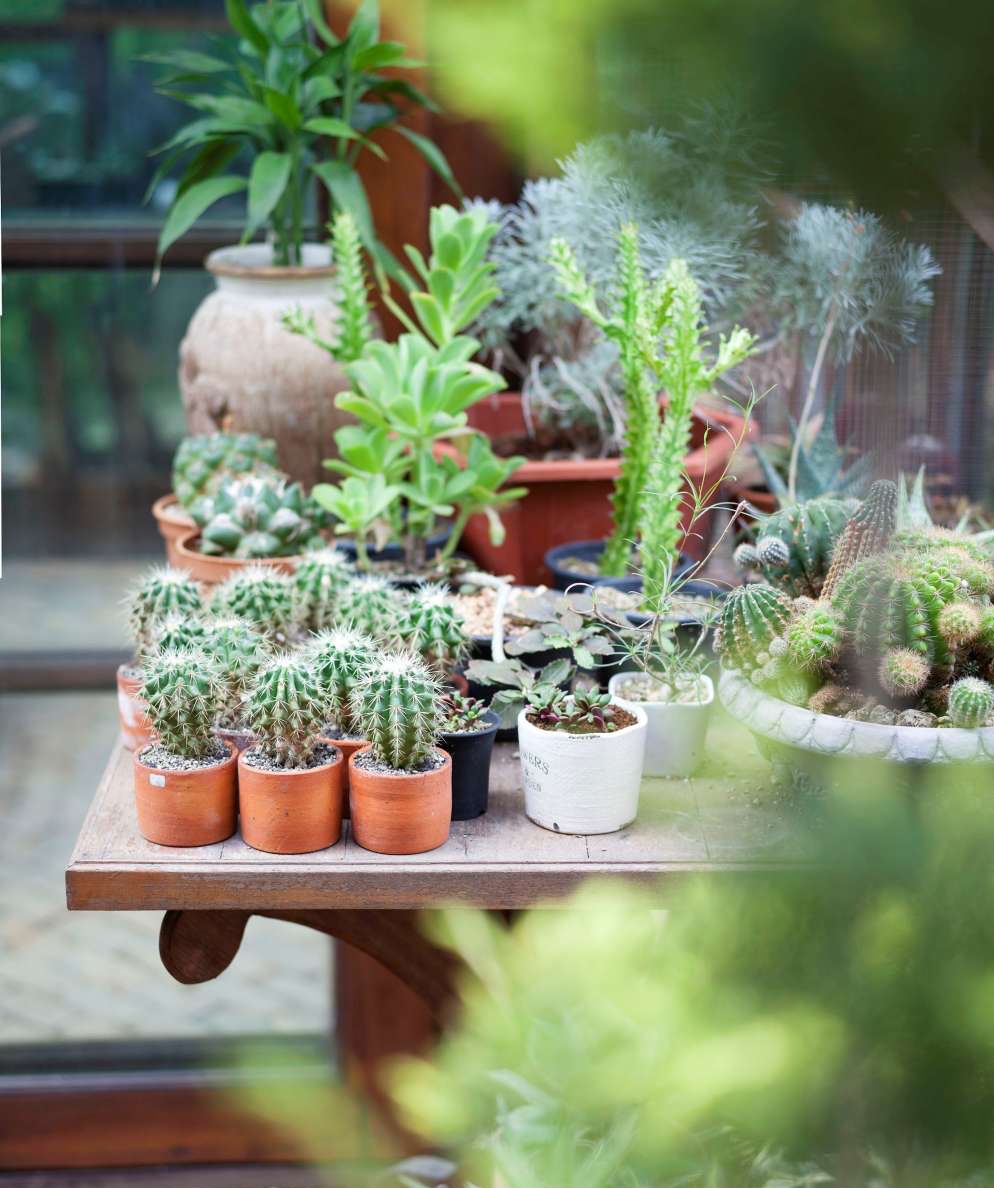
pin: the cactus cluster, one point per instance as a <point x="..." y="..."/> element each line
<point x="318" y="581"/>
<point x="793" y="549"/>
<point x="286" y="709"/>
<point x="239" y="651"/>
<point x="341" y="657"/>
<point x="753" y="618"/>
<point x="255" y="517"/>
<point x="178" y="632"/>
<point x="161" y="592"/>
<point x="433" y="628"/>
<point x="397" y="707"/>
<point x="203" y="462"/>
<point x="261" y="596"/>
<point x="184" y="694"/>
<point x="370" y="604"/>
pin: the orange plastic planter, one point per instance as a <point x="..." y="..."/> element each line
<point x="399" y="813"/>
<point x="187" y="808"/>
<point x="291" y="812"/>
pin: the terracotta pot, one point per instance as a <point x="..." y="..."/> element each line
<point x="242" y="371"/>
<point x="348" y="747"/>
<point x="187" y="808"/>
<point x="291" y="812"/>
<point x="570" y="500"/>
<point x="212" y="570"/>
<point x="241" y="740"/>
<point x="173" y="524"/>
<point x="394" y="813"/>
<point x="136" y="729"/>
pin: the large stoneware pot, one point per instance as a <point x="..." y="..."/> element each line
<point x="242" y="371"/>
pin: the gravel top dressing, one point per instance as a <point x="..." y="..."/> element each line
<point x="156" y="755"/>
<point x="368" y="762"/>
<point x="323" y="753"/>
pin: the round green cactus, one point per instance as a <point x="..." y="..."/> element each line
<point x="370" y="604"/>
<point x="286" y="709"/>
<point x="959" y="623"/>
<point x="814" y="638"/>
<point x="903" y="672"/>
<point x="971" y="702"/>
<point x="397" y="707"/>
<point x="184" y="695"/>
<point x="751" y="619"/>
<point x="239" y="651"/>
<point x="794" y="548"/>
<point x="160" y="592"/>
<point x="178" y="631"/>
<point x="260" y="595"/>
<point x="433" y="627"/>
<point x="257" y="517"/>
<point x="318" y="581"/>
<point x="341" y="657"/>
<point x="203" y="462"/>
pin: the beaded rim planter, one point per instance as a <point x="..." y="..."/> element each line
<point x="822" y="734"/>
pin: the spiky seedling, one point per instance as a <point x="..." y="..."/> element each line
<point x="286" y="709"/>
<point x="239" y="650"/>
<point x="971" y="702"/>
<point x="341" y="657"/>
<point x="959" y="623"/>
<point x="814" y="638"/>
<point x="432" y="627"/>
<point x="260" y="595"/>
<point x="184" y="694"/>
<point x="794" y="549"/>
<point x="868" y="532"/>
<point x="161" y="592"/>
<point x="903" y="673"/>
<point x="751" y="619"/>
<point x="203" y="462"/>
<point x="397" y="707"/>
<point x="372" y="605"/>
<point x="317" y="582"/>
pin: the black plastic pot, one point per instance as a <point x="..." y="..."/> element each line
<point x="394" y="551"/>
<point x="471" y="768"/>
<point x="590" y="550"/>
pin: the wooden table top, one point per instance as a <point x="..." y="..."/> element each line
<point x="726" y="819"/>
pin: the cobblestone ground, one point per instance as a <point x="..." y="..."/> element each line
<point x="96" y="975"/>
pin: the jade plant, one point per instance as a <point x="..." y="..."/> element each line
<point x="318" y="580"/>
<point x="261" y="596"/>
<point x="257" y="517"/>
<point x="204" y="461"/>
<point x="371" y="604"/>
<point x="162" y="591"/>
<point x="341" y="656"/>
<point x="239" y="650"/>
<point x="432" y="627"/>
<point x="184" y="693"/>
<point x="286" y="709"/>
<point x="397" y="707"/>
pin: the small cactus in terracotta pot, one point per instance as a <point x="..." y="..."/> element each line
<point x="317" y="582"/>
<point x="401" y="784"/>
<point x="185" y="779"/>
<point x="433" y="628"/>
<point x="261" y="596"/>
<point x="290" y="781"/>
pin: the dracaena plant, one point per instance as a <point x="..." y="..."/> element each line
<point x="281" y="104"/>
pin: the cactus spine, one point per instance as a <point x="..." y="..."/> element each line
<point x="259" y="595"/>
<point x="971" y="702"/>
<point x="286" y="709"/>
<point x="397" y="706"/>
<point x="239" y="650"/>
<point x="433" y="629"/>
<point x="341" y="656"/>
<point x="867" y="532"/>
<point x="317" y="582"/>
<point x="161" y="592"/>
<point x="184" y="695"/>
<point x="794" y="547"/>
<point x="751" y="619"/>
<point x="372" y="605"/>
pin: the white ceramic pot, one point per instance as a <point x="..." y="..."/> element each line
<point x="241" y="371"/>
<point x="582" y="783"/>
<point x="676" y="734"/>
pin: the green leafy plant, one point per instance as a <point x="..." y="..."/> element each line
<point x="584" y="711"/>
<point x="286" y="709"/>
<point x="256" y="517"/>
<point x="517" y="685"/>
<point x="396" y="706"/>
<point x="462" y="714"/>
<point x="159" y="593"/>
<point x="185" y="694"/>
<point x="275" y="96"/>
<point x="204" y="461"/>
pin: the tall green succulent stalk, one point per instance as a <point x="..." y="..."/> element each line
<point x="682" y="373"/>
<point x="634" y="325"/>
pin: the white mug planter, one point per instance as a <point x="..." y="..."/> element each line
<point x="677" y="732"/>
<point x="582" y="783"/>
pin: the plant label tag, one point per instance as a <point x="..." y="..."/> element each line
<point x="156" y="780"/>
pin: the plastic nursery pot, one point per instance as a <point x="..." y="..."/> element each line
<point x="676" y="733"/>
<point x="136" y="729"/>
<point x="582" y="783"/>
<point x="394" y="551"/>
<point x="213" y="570"/>
<point x="173" y="524"/>
<point x="400" y="812"/>
<point x="187" y="808"/>
<point x="590" y="550"/>
<point x="293" y="811"/>
<point x="471" y="751"/>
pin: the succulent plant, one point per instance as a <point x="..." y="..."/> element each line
<point x="239" y="650"/>
<point x="793" y="550"/>
<point x="433" y="628"/>
<point x="372" y="605"/>
<point x="178" y="631"/>
<point x="341" y="656"/>
<point x="286" y="709"/>
<point x="255" y="517"/>
<point x="868" y="531"/>
<point x="184" y="694"/>
<point x="203" y="462"/>
<point x="752" y="618"/>
<point x="317" y="582"/>
<point x="971" y="702"/>
<point x="462" y="714"/>
<point x="162" y="591"/>
<point x="397" y="706"/>
<point x="259" y="595"/>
